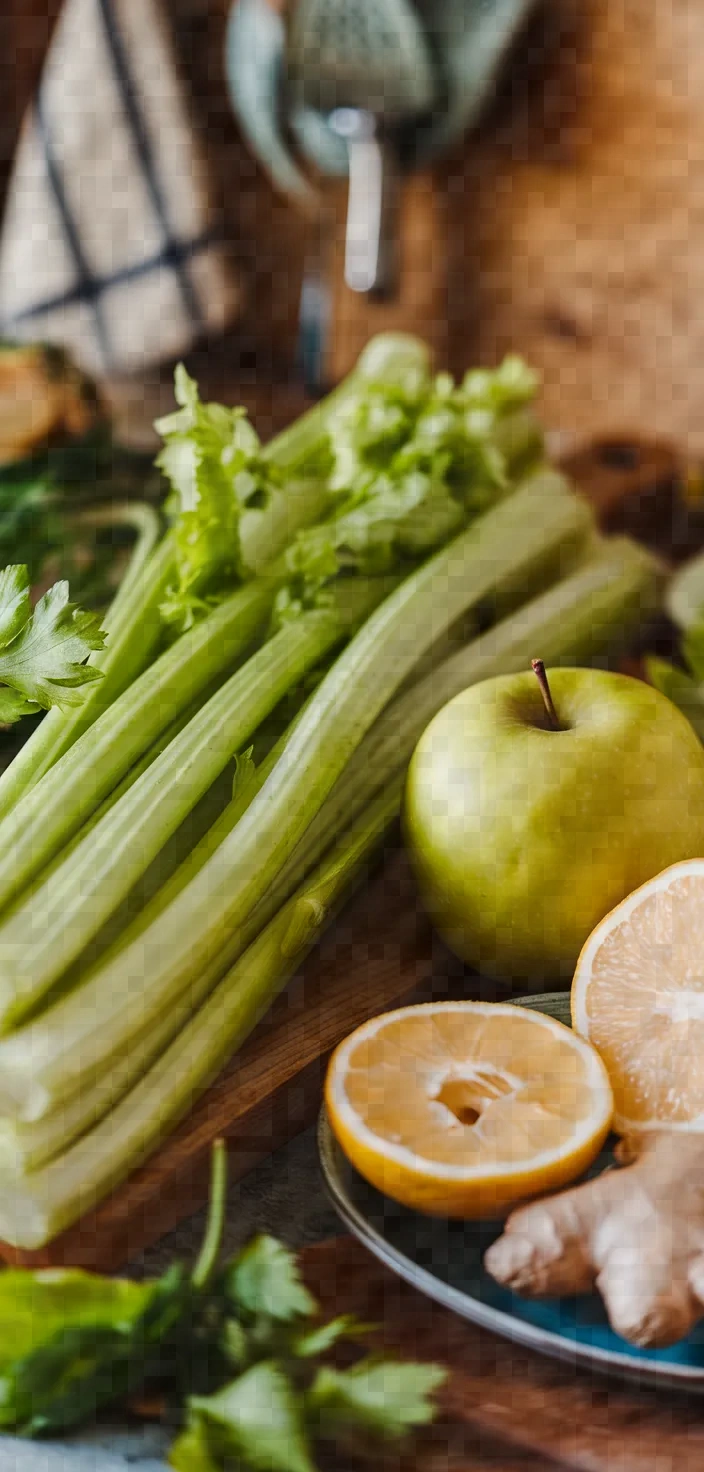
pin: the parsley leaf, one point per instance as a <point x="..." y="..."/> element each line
<point x="256" y="1421"/>
<point x="380" y="1397"/>
<point x="42" y="653"/>
<point x="264" y="1281"/>
<point x="318" y="1340"/>
<point x="73" y="1342"/>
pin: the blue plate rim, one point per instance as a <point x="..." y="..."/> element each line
<point x="641" y="1372"/>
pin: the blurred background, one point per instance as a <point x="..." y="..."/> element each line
<point x="562" y="218"/>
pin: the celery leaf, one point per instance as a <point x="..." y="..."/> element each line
<point x="42" y="652"/>
<point x="413" y="464"/>
<point x="212" y="460"/>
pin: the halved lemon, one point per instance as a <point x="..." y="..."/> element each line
<point x="464" y="1108"/>
<point x="638" y="996"/>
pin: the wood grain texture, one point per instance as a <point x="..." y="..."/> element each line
<point x="582" y="244"/>
<point x="510" y="1402"/>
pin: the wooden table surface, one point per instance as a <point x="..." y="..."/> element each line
<point x="504" y="1407"/>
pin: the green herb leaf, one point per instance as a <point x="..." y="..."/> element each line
<point x="235" y="1344"/>
<point x="380" y="1397"/>
<point x="257" y="1422"/>
<point x="212" y="460"/>
<point x="30" y="529"/>
<point x="264" y="1281"/>
<point x="73" y="1342"/>
<point x="43" y="653"/>
<point x="412" y="463"/>
<point x="316" y="1341"/>
<point x="509" y="386"/>
<point x="191" y="1453"/>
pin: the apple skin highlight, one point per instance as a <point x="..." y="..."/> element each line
<point x="523" y="837"/>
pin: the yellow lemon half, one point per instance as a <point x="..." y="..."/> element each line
<point x="638" y="996"/>
<point x="464" y="1108"/>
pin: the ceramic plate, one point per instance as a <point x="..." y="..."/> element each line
<point x="443" y="1259"/>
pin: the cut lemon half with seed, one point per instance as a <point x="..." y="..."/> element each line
<point x="464" y="1108"/>
<point x="638" y="996"/>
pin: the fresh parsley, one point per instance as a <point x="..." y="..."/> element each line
<point x="43" y="652"/>
<point x="242" y="1344"/>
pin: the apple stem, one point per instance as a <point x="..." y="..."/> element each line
<point x="538" y="669"/>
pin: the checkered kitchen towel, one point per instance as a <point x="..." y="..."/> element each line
<point x="109" y="242"/>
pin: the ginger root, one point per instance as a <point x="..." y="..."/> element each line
<point x="636" y="1233"/>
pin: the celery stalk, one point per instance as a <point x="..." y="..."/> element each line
<point x="26" y="1147"/>
<point x="47" y="816"/>
<point x="596" y="609"/>
<point x="43" y="935"/>
<point x="83" y="1031"/>
<point x="43" y="1204"/>
<point x="133" y="621"/>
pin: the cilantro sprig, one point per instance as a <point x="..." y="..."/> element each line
<point x="242" y="1343"/>
<point x="43" y="652"/>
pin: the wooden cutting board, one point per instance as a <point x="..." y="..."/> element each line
<point x="503" y="1406"/>
<point x="380" y="953"/>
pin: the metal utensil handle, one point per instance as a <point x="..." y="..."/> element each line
<point x="371" y="244"/>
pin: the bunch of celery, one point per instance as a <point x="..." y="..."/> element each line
<point x="146" y="920"/>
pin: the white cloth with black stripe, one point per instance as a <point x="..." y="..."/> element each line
<point x="109" y="242"/>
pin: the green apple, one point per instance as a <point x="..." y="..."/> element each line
<point x="532" y="809"/>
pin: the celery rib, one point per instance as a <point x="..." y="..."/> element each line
<point x="121" y="999"/>
<point x="42" y="936"/>
<point x="48" y="815"/>
<point x="595" y="610"/>
<point x="134" y="623"/>
<point x="45" y="1203"/>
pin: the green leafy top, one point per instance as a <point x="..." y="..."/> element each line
<point x="213" y="462"/>
<point x="412" y="464"/>
<point x="42" y="653"/>
<point x="411" y="458"/>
